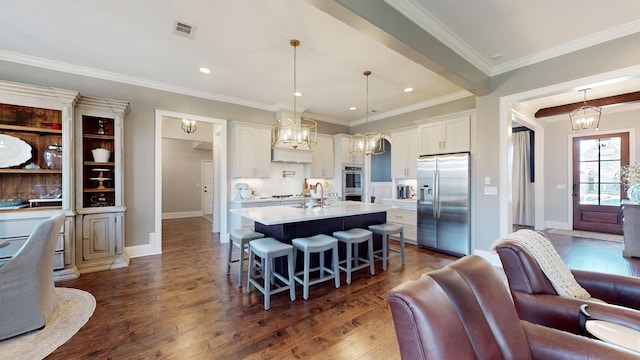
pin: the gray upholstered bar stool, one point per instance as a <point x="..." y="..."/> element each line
<point x="386" y="230"/>
<point x="240" y="238"/>
<point x="268" y="249"/>
<point x="353" y="238"/>
<point x="311" y="245"/>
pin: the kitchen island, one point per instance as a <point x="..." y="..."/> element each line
<point x="287" y="222"/>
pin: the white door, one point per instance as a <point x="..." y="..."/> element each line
<point x="207" y="188"/>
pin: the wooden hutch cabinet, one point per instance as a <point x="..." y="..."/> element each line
<point x="47" y="165"/>
<point x="35" y="120"/>
<point x="99" y="184"/>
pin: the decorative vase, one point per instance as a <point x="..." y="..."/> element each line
<point x="101" y="155"/>
<point x="633" y="193"/>
<point x="53" y="156"/>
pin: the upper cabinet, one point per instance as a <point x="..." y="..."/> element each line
<point x="322" y="165"/>
<point x="36" y="133"/>
<point x="100" y="155"/>
<point x="404" y="153"/>
<point x="446" y="136"/>
<point x="251" y="150"/>
<point x="343" y="149"/>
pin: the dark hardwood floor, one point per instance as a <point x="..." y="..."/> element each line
<point x="182" y="305"/>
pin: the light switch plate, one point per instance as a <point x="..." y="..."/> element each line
<point x="487" y="180"/>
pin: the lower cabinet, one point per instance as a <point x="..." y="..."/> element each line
<point x="100" y="242"/>
<point x="404" y="213"/>
<point x="15" y="229"/>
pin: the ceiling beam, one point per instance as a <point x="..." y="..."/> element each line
<point x="609" y="100"/>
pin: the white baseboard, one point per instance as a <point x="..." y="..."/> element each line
<point x="180" y="215"/>
<point x="559" y="225"/>
<point x="154" y="247"/>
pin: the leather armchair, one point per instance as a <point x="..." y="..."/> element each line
<point x="27" y="290"/>
<point x="537" y="301"/>
<point x="463" y="311"/>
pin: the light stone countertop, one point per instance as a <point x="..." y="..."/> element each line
<point x="284" y="214"/>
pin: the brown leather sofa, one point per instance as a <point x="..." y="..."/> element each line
<point x="537" y="301"/>
<point x="463" y="311"/>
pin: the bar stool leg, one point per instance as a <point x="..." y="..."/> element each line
<point x="349" y="260"/>
<point x="372" y="266"/>
<point x="229" y="256"/>
<point x="402" y="245"/>
<point x="385" y="251"/>
<point x="336" y="269"/>
<point x="241" y="262"/>
<point x="292" y="282"/>
<point x="307" y="266"/>
<point x="267" y="282"/>
<point x="249" y="270"/>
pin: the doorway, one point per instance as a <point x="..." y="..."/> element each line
<point x="596" y="187"/>
<point x="219" y="139"/>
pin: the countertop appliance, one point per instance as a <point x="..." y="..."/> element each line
<point x="243" y="192"/>
<point x="443" y="203"/>
<point x="404" y="191"/>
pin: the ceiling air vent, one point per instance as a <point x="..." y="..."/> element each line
<point x="184" y="29"/>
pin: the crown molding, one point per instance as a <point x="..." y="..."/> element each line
<point x="421" y="17"/>
<point x="566" y="48"/>
<point x="125" y="79"/>
<point x="414" y="107"/>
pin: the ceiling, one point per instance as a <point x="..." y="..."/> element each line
<point x="246" y="45"/>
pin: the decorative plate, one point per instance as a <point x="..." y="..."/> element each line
<point x="13" y="151"/>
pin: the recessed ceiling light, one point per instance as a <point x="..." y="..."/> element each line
<point x="408" y="89"/>
<point x="353" y="108"/>
<point x="297" y="93"/>
<point x="205" y="70"/>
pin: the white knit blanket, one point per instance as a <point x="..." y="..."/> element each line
<point x="540" y="247"/>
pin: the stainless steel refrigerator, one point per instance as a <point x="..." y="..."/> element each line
<point x="443" y="203"/>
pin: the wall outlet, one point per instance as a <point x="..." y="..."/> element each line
<point x="491" y="190"/>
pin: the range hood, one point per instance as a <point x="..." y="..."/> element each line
<point x="282" y="154"/>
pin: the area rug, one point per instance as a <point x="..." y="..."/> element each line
<point x="587" y="234"/>
<point x="74" y="309"/>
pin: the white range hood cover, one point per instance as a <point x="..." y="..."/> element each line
<point x="280" y="154"/>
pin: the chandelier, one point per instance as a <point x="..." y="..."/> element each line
<point x="367" y="143"/>
<point x="586" y="117"/>
<point x="294" y="131"/>
<point x="188" y="126"/>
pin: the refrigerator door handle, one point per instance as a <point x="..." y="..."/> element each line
<point x="436" y="194"/>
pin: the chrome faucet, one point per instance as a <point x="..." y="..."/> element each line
<point x="321" y="192"/>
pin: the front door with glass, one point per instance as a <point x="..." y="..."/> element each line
<point x="596" y="186"/>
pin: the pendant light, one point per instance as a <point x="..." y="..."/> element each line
<point x="586" y="117"/>
<point x="188" y="126"/>
<point x="367" y="143"/>
<point x="296" y="131"/>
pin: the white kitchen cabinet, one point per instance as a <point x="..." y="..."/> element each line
<point x="404" y="213"/>
<point x="343" y="143"/>
<point x="404" y="153"/>
<point x="322" y="165"/>
<point x="251" y="151"/>
<point x="446" y="136"/>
